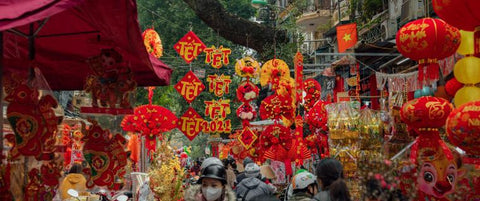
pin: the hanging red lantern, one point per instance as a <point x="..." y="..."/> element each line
<point x="452" y="86"/>
<point x="426" y="41"/>
<point x="463" y="127"/>
<point x="461" y="14"/>
<point x="426" y="112"/>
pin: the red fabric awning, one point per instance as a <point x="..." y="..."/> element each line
<point x="74" y="31"/>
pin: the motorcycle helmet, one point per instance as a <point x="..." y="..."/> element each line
<point x="303" y="180"/>
<point x="214" y="171"/>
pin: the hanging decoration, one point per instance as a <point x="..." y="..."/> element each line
<point x="275" y="140"/>
<point x="72" y="140"/>
<point x="313" y="92"/>
<point x="299" y="85"/>
<point x="274" y="71"/>
<point x="276" y="107"/>
<point x="452" y="86"/>
<point x="467" y="72"/>
<point x="189" y="47"/>
<point x="189" y="87"/>
<point x="219" y="85"/>
<point x="247" y="67"/>
<point x="436" y="162"/>
<point x="460" y="14"/>
<point x="31" y="118"/>
<point x="217" y="57"/>
<point x="247" y="137"/>
<point x="247" y="91"/>
<point x="217" y="110"/>
<point x="105" y="154"/>
<point x="299" y="150"/>
<point x="111" y="85"/>
<point x="246" y="112"/>
<point x="152" y="42"/>
<point x="150" y="121"/>
<point x="190" y="123"/>
<point x="427" y="40"/>
<point x="463" y="128"/>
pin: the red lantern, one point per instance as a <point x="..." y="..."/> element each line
<point x="426" y="41"/>
<point x="463" y="127"/>
<point x="452" y="86"/>
<point x="426" y="112"/>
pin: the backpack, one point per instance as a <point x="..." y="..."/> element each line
<point x="242" y="198"/>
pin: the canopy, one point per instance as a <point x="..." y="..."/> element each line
<point x="69" y="32"/>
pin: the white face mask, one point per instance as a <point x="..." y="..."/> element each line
<point x="211" y="194"/>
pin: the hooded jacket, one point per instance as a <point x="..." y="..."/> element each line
<point x="302" y="196"/>
<point x="194" y="193"/>
<point x="254" y="186"/>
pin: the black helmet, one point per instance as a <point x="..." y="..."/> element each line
<point x="214" y="171"/>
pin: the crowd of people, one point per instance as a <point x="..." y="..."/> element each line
<point x="220" y="181"/>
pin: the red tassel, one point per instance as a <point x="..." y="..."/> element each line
<point x="420" y="73"/>
<point x="476" y="39"/>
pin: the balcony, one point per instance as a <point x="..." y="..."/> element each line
<point x="317" y="13"/>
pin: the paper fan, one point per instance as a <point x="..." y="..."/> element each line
<point x="273" y="71"/>
<point x="152" y="42"/>
<point x="313" y="92"/>
<point x="247" y="67"/>
<point x="276" y="106"/>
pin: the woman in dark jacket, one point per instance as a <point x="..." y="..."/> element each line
<point x="330" y="177"/>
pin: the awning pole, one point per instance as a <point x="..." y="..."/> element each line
<point x="1" y="95"/>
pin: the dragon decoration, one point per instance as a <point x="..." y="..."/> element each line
<point x="105" y="155"/>
<point x="111" y="84"/>
<point x="31" y="118"/>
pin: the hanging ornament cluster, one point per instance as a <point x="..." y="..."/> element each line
<point x="246" y="92"/>
<point x="111" y="85"/>
<point x="437" y="165"/>
<point x="427" y="40"/>
<point x="152" y="42"/>
<point x="31" y="118"/>
<point x="467" y="71"/>
<point x="150" y="121"/>
<point x="219" y="85"/>
<point x="105" y="154"/>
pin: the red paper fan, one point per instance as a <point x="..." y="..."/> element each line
<point x="275" y="140"/>
<point x="247" y="92"/>
<point x="317" y="116"/>
<point x="276" y="106"/>
<point x="313" y="90"/>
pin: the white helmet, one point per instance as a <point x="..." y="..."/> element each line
<point x="303" y="180"/>
<point x="252" y="170"/>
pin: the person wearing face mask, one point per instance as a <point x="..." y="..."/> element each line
<point x="304" y="186"/>
<point x="212" y="186"/>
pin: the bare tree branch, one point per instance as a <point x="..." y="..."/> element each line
<point x="234" y="28"/>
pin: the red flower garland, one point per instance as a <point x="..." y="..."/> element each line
<point x="247" y="92"/>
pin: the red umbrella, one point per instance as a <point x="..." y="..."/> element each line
<point x="60" y="35"/>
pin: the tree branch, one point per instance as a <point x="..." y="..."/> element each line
<point x="234" y="28"/>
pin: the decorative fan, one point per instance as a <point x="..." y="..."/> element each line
<point x="152" y="42"/>
<point x="317" y="116"/>
<point x="276" y="106"/>
<point x="273" y="71"/>
<point x="247" y="91"/>
<point x="247" y="67"/>
<point x="313" y="90"/>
